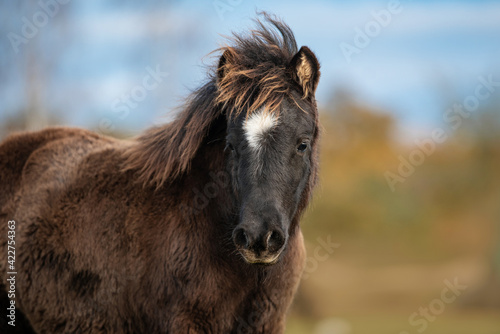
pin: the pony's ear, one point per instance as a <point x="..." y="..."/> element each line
<point x="222" y="67"/>
<point x="304" y="68"/>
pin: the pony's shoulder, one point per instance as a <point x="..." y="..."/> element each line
<point x="50" y="153"/>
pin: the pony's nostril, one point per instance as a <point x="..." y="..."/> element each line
<point x="275" y="241"/>
<point x="240" y="238"/>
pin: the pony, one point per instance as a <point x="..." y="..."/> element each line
<point x="191" y="227"/>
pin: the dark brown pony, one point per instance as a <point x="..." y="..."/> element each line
<point x="193" y="227"/>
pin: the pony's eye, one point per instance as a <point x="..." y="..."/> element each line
<point x="302" y="147"/>
<point x="230" y="147"/>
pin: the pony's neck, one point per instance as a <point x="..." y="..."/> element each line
<point x="163" y="154"/>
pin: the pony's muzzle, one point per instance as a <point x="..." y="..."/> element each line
<point x="259" y="246"/>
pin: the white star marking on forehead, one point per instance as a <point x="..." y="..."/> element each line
<point x="257" y="125"/>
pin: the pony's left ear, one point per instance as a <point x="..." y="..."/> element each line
<point x="304" y="68"/>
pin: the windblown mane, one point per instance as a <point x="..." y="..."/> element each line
<point x="255" y="68"/>
<point x="252" y="72"/>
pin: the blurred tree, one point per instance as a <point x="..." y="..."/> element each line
<point x="484" y="130"/>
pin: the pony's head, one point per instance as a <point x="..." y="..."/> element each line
<point x="266" y="88"/>
<point x="261" y="103"/>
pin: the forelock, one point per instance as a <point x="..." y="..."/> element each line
<point x="255" y="73"/>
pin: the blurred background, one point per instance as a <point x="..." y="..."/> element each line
<point x="403" y="235"/>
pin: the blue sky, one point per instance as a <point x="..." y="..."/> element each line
<point x="429" y="53"/>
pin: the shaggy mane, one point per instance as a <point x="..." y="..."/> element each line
<point x="254" y="73"/>
<point x="256" y="66"/>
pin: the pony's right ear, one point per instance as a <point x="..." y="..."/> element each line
<point x="223" y="64"/>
